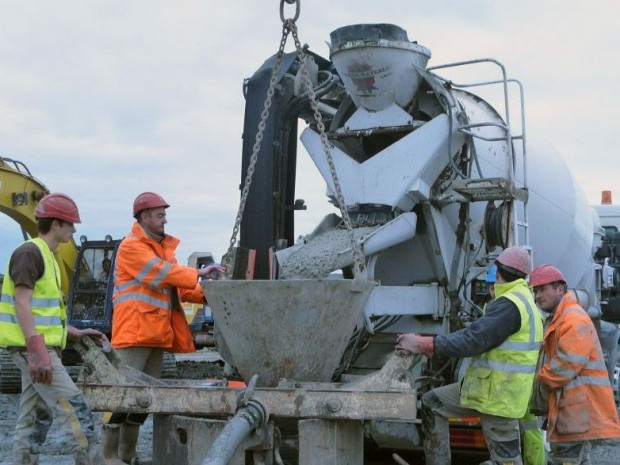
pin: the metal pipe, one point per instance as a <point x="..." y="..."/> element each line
<point x="245" y="421"/>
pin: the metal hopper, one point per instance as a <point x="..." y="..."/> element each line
<point x="295" y="329"/>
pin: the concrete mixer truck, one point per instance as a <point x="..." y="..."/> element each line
<point x="436" y="182"/>
<point x="432" y="182"/>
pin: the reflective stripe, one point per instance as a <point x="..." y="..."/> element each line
<point x="45" y="303"/>
<point x="520" y="346"/>
<point x="47" y="320"/>
<point x="8" y="318"/>
<point x="530" y="312"/>
<point x="124" y="286"/>
<point x="135" y="282"/>
<point x="504" y="366"/>
<point x="162" y="274"/>
<point x="163" y="304"/>
<point x="588" y="381"/>
<point x="572" y="358"/>
<point x="38" y="320"/>
<point x="584" y="364"/>
<point x="561" y="370"/>
<point x="147" y="268"/>
<point x="34" y="302"/>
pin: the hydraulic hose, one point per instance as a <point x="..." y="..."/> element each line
<point x="246" y="420"/>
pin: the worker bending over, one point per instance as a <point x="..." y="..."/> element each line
<point x="149" y="287"/>
<point x="504" y="345"/>
<point x="581" y="405"/>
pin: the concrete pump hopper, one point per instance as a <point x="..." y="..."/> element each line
<point x="295" y="329"/>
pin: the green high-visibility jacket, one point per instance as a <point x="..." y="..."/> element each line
<point x="47" y="305"/>
<point x="499" y="382"/>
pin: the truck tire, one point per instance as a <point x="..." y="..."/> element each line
<point x="10" y="376"/>
<point x="169" y="366"/>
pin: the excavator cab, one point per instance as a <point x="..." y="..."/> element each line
<point x="89" y="304"/>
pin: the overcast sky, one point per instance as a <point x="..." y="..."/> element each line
<point x="104" y="99"/>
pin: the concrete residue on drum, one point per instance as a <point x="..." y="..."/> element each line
<point x="314" y="257"/>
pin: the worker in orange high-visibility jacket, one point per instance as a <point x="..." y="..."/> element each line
<point x="581" y="403"/>
<point x="148" y="319"/>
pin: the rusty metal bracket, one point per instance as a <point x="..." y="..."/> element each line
<point x="328" y="403"/>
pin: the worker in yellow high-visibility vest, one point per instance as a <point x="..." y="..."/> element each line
<point x="533" y="446"/>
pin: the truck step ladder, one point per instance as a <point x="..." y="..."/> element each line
<point x="509" y="188"/>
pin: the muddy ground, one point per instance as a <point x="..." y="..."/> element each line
<point x="55" y="447"/>
<point x="604" y="452"/>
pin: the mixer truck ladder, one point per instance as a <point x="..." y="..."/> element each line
<point x="508" y="188"/>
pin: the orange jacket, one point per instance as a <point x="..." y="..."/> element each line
<point x="581" y="403"/>
<point x="149" y="285"/>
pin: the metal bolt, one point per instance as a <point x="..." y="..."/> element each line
<point x="333" y="405"/>
<point x="144" y="400"/>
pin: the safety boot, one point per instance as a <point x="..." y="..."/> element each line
<point x="109" y="445"/>
<point x="128" y="440"/>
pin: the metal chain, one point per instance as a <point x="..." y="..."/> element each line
<point x="257" y="143"/>
<point x="289" y="27"/>
<point x="359" y="262"/>
<point x="297" y="10"/>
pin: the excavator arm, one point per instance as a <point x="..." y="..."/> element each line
<point x="19" y="194"/>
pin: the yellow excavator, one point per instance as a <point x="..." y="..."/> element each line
<point x="20" y="192"/>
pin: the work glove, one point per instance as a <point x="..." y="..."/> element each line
<point x="39" y="360"/>
<point x="412" y="343"/>
<point x="214" y="271"/>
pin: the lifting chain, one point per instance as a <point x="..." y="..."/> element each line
<point x="226" y="261"/>
<point x="289" y="27"/>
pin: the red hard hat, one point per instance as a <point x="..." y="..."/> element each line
<point x="59" y="206"/>
<point x="517" y="258"/>
<point x="148" y="200"/>
<point x="545" y="274"/>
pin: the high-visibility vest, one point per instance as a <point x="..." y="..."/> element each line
<point x="532" y="439"/>
<point x="47" y="305"/>
<point x="499" y="382"/>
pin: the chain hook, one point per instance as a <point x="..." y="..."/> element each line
<point x="297" y="10"/>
